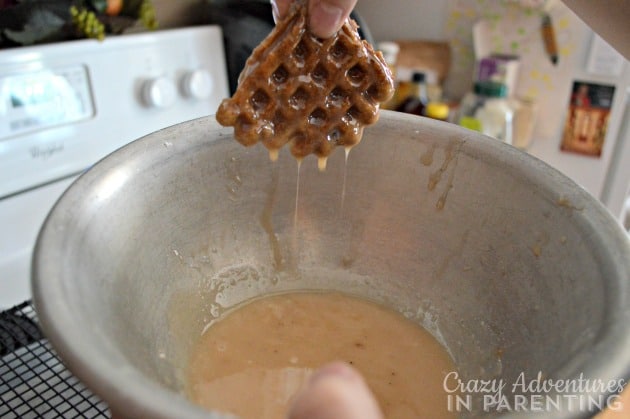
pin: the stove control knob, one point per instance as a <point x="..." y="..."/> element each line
<point x="159" y="92"/>
<point x="197" y="84"/>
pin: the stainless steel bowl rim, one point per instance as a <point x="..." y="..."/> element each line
<point x="142" y="397"/>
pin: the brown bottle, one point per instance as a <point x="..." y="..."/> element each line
<point x="417" y="100"/>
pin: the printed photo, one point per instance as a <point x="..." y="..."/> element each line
<point x="587" y="118"/>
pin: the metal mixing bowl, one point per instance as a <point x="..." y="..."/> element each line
<point x="508" y="263"/>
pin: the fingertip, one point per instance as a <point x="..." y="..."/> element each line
<point x="326" y="18"/>
<point x="336" y="391"/>
<point x="337" y="369"/>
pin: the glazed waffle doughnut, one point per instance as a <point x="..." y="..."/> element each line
<point x="313" y="94"/>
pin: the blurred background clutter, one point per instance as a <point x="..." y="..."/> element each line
<point x="507" y="68"/>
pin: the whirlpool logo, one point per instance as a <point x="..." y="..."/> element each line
<point x="46" y="151"/>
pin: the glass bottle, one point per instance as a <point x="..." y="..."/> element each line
<point x="487" y="110"/>
<point x="417" y="99"/>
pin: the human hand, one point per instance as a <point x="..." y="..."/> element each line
<point x="325" y="16"/>
<point x="335" y="391"/>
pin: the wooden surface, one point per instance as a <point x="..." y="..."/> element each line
<point x="430" y="55"/>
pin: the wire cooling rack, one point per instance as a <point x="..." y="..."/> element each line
<point x="33" y="381"/>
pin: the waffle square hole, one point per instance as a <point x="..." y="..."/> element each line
<point x="337" y="98"/>
<point x="317" y="117"/>
<point x="300" y="52"/>
<point x="298" y="99"/>
<point x="349" y="118"/>
<point x="354" y="116"/>
<point x="375" y="93"/>
<point x="334" y="136"/>
<point x="339" y="51"/>
<point x="244" y="123"/>
<point x="281" y="75"/>
<point x="356" y="75"/>
<point x="260" y="100"/>
<point x="319" y="74"/>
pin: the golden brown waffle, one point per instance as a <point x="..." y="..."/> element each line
<point x="312" y="93"/>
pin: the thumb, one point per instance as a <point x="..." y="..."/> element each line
<point x="327" y="16"/>
<point x="336" y="391"/>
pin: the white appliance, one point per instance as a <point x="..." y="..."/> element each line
<point x="65" y="106"/>
<point x="606" y="177"/>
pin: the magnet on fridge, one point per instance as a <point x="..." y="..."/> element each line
<point x="587" y="118"/>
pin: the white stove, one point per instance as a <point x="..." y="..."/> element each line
<point x="65" y="106"/>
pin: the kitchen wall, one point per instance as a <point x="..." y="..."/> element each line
<point x="513" y="30"/>
<point x="178" y="13"/>
<point x="404" y="19"/>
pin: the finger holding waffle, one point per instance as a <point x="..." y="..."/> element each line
<point x="325" y="16"/>
<point x="308" y="93"/>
